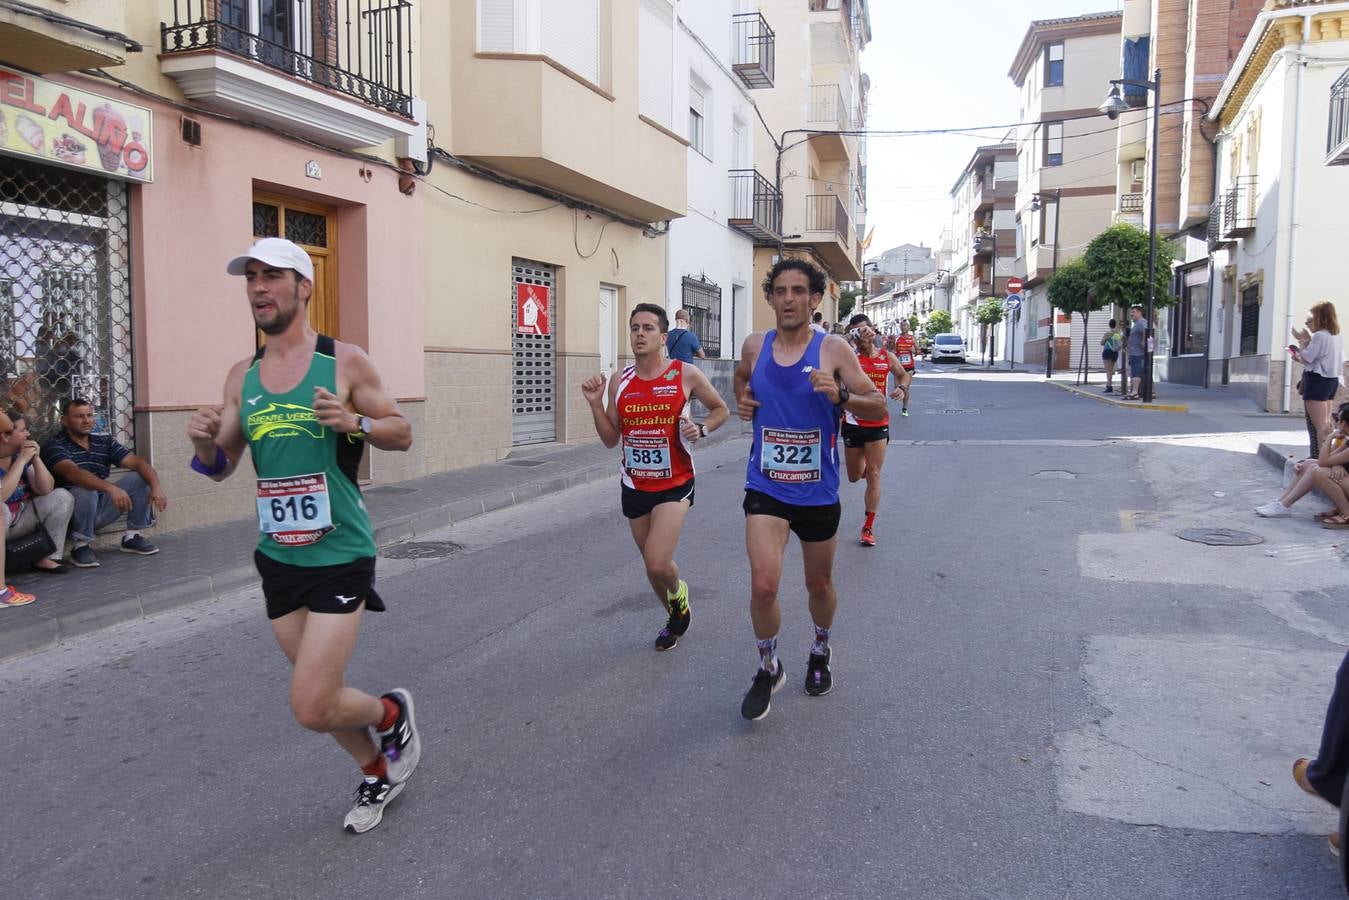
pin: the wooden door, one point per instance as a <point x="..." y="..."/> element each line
<point x="314" y="228"/>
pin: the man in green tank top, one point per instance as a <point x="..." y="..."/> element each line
<point x="305" y="407"/>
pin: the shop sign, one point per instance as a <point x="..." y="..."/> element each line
<point x="531" y="309"/>
<point x="58" y="124"/>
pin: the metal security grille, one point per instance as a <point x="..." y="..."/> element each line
<point x="65" y="296"/>
<point x="702" y="300"/>
<point x="1250" y="320"/>
<point x="534" y="380"/>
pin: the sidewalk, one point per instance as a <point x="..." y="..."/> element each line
<point x="202" y="563"/>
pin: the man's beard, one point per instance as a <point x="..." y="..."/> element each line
<point x="283" y="319"/>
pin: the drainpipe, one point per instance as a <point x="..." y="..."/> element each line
<point x="1301" y="63"/>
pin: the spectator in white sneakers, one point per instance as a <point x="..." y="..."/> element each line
<point x="1308" y="475"/>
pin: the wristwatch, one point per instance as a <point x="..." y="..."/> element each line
<point x="702" y="430"/>
<point x="363" y="426"/>
<point x="843" y="395"/>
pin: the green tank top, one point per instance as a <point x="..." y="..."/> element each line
<point x="310" y="511"/>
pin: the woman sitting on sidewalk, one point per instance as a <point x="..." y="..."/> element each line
<point x="32" y="499"/>
<point x="1333" y="456"/>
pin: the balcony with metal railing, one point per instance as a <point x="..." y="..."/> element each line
<point x="825" y="212"/>
<point x="1337" y="131"/>
<point x="756" y="207"/>
<point x="754" y="45"/>
<point x="829" y="114"/>
<point x="826" y="229"/>
<point x="347" y="64"/>
<point x="1130" y="209"/>
<point x="1239" y="207"/>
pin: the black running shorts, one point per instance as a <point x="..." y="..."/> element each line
<point x="811" y="524"/>
<point x="321" y="589"/>
<point x="858" y="435"/>
<point x="640" y="503"/>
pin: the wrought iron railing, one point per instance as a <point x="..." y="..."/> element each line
<point x="825" y="212"/>
<point x="1215" y="224"/>
<point x="756" y="206"/>
<point x="827" y="106"/>
<point x="755" y="47"/>
<point x="1131" y="203"/>
<point x="1239" y="207"/>
<point x="1337" y="133"/>
<point x="360" y="48"/>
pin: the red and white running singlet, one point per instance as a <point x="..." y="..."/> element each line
<point x="878" y="370"/>
<point x="655" y="454"/>
<point x="904" y="346"/>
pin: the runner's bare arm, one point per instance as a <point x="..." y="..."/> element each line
<point x="749" y="353"/>
<point x="839" y="362"/>
<point x="698" y="386"/>
<point x="366" y="396"/>
<point x="594" y="389"/>
<point x="902" y="376"/>
<point x="217" y="427"/>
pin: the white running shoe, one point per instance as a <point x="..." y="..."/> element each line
<point x="1273" y="510"/>
<point x="401" y="744"/>
<point x="371" y="798"/>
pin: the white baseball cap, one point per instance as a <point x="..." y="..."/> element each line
<point x="277" y="252"/>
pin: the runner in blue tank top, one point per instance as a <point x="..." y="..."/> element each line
<point x="794" y="384"/>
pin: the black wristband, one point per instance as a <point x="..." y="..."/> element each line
<point x="843" y="396"/>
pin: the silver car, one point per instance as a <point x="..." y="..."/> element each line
<point x="948" y="347"/>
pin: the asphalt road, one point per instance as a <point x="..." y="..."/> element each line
<point x="1040" y="691"/>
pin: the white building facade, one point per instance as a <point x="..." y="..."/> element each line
<point x="711" y="265"/>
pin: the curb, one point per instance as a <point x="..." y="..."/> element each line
<point x="1279" y="460"/>
<point x="1122" y="404"/>
<point x="49" y="632"/>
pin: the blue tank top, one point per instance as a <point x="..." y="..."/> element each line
<point x="795" y="454"/>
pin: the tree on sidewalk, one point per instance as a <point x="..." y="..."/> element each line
<point x="848" y="297"/>
<point x="988" y="314"/>
<point x="1070" y="289"/>
<point x="1117" y="267"/>
<point x="938" y="322"/>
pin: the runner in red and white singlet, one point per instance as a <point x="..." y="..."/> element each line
<point x="656" y="455"/>
<point x="906" y="351"/>
<point x="865" y="440"/>
<point x="648" y="416"/>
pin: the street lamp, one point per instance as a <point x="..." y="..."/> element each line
<point x="1035" y="204"/>
<point x="1114" y="105"/>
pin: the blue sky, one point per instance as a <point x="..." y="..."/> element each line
<point x="939" y="65"/>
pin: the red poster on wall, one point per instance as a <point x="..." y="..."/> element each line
<point x="531" y="309"/>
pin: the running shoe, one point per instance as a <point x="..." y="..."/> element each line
<point x="674" y="629"/>
<point x="904" y="413"/>
<point x="1273" y="510"/>
<point x="819" y="680"/>
<point x="867" y="539"/>
<point x="15" y="597"/>
<point x="759" y="697"/>
<point x="401" y="744"/>
<point x="372" y="796"/>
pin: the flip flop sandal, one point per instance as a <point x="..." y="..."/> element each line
<point x="1335" y="522"/>
<point x="1322" y="516"/>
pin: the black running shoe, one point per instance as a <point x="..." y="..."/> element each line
<point x="401" y="744"/>
<point x="674" y="629"/>
<point x="819" y="680"/>
<point x="759" y="697"/>
<point x="371" y="798"/>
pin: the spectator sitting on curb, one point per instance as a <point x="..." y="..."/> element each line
<point x="32" y="498"/>
<point x="1330" y="474"/>
<point x="9" y="595"/>
<point x="81" y="462"/>
<point x="1305" y="480"/>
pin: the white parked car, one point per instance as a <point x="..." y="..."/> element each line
<point x="948" y="347"/>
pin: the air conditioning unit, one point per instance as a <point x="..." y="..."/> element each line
<point x="1137" y="169"/>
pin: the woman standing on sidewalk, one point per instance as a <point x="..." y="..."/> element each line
<point x="1322" y="354"/>
<point x="1110" y="342"/>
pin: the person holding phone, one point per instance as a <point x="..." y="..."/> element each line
<point x="1321" y="353"/>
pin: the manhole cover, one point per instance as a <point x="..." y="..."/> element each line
<point x="1056" y="473"/>
<point x="961" y="412"/>
<point x="422" y="550"/>
<point x="525" y="462"/>
<point x="1220" y="537"/>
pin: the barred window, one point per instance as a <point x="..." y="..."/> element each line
<point x="702" y="300"/>
<point x="65" y="296"/>
<point x="1250" y="320"/>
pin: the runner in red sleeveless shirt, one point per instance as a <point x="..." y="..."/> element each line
<point x="865" y="440"/>
<point x="648" y="414"/>
<point x="906" y="350"/>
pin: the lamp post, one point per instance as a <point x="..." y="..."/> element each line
<point x="1114" y="105"/>
<point x="1035" y="205"/>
